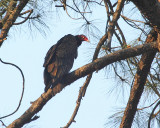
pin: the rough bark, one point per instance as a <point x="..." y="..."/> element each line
<point x="149" y="9"/>
<point x="98" y="64"/>
<point x="139" y="83"/>
<point x="137" y="90"/>
<point x="10" y="18"/>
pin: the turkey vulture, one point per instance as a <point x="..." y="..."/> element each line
<point x="59" y="59"/>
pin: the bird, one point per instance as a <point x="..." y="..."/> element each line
<point x="60" y="58"/>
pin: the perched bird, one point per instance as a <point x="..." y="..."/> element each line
<point x="59" y="59"/>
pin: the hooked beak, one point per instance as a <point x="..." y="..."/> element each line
<point x="87" y="41"/>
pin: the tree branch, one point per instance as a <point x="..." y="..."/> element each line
<point x="149" y="105"/>
<point x="26" y="18"/>
<point x="148" y="8"/>
<point x="112" y="24"/>
<point x="150" y="117"/>
<point x="137" y="90"/>
<point x="22" y="88"/>
<point x="80" y="72"/>
<point x="3" y="123"/>
<point x="10" y="19"/>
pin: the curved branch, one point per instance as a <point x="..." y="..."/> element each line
<point x="91" y="1"/>
<point x="80" y="12"/>
<point x="150" y="117"/>
<point x="22" y="88"/>
<point x="3" y="123"/>
<point x="80" y="72"/>
<point x="149" y="105"/>
<point x="26" y="18"/>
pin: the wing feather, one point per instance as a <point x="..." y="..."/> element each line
<point x="59" y="60"/>
<point x="50" y="54"/>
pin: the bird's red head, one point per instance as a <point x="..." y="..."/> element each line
<point x="83" y="38"/>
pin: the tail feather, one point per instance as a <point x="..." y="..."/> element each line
<point x="51" y="84"/>
<point x="47" y="80"/>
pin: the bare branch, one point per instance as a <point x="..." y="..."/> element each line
<point x="112" y="24"/>
<point x="122" y="35"/>
<point x="71" y="8"/>
<point x="126" y="18"/>
<point x="81" y="13"/>
<point x="3" y="123"/>
<point x="30" y="12"/>
<point x="22" y="88"/>
<point x="150" y="117"/>
<point x="149" y="105"/>
<point x="90" y="1"/>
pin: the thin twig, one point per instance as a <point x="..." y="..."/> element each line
<point x="90" y="1"/>
<point x="3" y="123"/>
<point x="81" y="13"/>
<point x="26" y="18"/>
<point x="122" y="79"/>
<point x="112" y="24"/>
<point x="149" y="105"/>
<point x="122" y="35"/>
<point x="71" y="8"/>
<point x="109" y="5"/>
<point x="134" y="26"/>
<point x="150" y="117"/>
<point x="77" y="103"/>
<point x="126" y="18"/>
<point x="22" y="88"/>
<point x="64" y="6"/>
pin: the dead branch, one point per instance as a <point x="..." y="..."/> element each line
<point x="22" y="88"/>
<point x="81" y="13"/>
<point x="26" y="18"/>
<point x="126" y="18"/>
<point x="112" y="24"/>
<point x="3" y="123"/>
<point x="151" y="115"/>
<point x="149" y="105"/>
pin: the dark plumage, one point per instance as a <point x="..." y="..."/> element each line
<point x="59" y="59"/>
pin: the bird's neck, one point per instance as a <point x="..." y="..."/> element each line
<point x="79" y="42"/>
